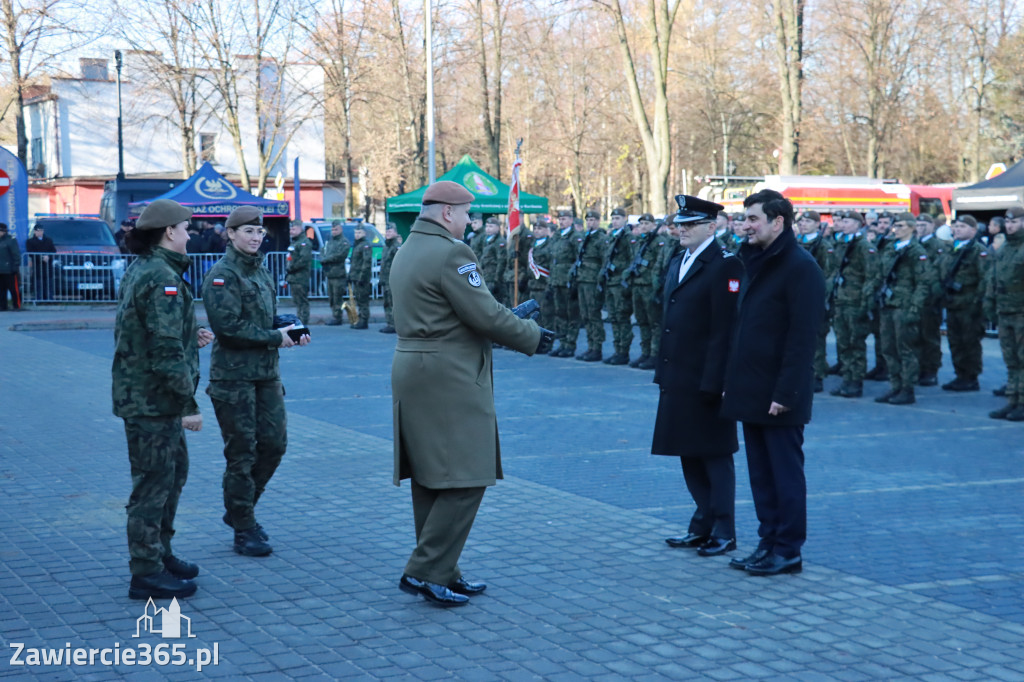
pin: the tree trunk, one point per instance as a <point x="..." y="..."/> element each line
<point x="789" y="48"/>
<point x="14" y="59"/>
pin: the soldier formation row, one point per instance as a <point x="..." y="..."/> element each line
<point x="894" y="279"/>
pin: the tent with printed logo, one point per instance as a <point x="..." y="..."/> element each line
<point x="491" y="195"/>
<point x="993" y="196"/>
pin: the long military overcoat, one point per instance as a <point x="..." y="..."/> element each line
<point x="445" y="426"/>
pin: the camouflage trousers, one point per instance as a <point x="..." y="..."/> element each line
<point x="254" y="427"/>
<point x="619" y="302"/>
<point x="389" y="306"/>
<point x="337" y="287"/>
<point x="541" y="292"/>
<point x="591" y="301"/>
<point x="361" y="290"/>
<point x="931" y="339"/>
<point x="159" y="463"/>
<point x="642" y="304"/>
<point x="900" y="333"/>
<point x="1011" y="341"/>
<point x="300" y="297"/>
<point x="875" y="324"/>
<point x="567" y="316"/>
<point x="965" y="328"/>
<point x="820" y="346"/>
<point x="851" y="327"/>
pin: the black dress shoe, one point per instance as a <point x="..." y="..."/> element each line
<point x="741" y="564"/>
<point x="716" y="546"/>
<point x="689" y="540"/>
<point x="180" y="568"/>
<point x="773" y="564"/>
<point x="160" y="585"/>
<point x="432" y="592"/>
<point x="463" y="586"/>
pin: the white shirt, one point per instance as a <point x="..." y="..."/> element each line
<point x="688" y="257"/>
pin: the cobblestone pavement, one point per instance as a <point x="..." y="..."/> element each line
<point x="913" y="568"/>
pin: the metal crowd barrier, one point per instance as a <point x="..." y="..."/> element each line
<point x="96" y="277"/>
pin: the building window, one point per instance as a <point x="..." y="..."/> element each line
<point x="208" y="147"/>
<point x="35" y="158"/>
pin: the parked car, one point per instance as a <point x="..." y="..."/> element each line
<point x="87" y="264"/>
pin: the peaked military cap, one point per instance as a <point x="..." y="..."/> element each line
<point x="565" y="214"/>
<point x="493" y="220"/>
<point x="619" y="211"/>
<point x="244" y="215"/>
<point x="967" y="220"/>
<point x="904" y="216"/>
<point x="647" y="216"/>
<point x="1015" y="212"/>
<point x="476" y="215"/>
<point x="447" y="192"/>
<point x="925" y="218"/>
<point x="856" y="215"/>
<point x="811" y="215"/>
<point x="162" y="213"/>
<point x="593" y="214"/>
<point x="695" y="209"/>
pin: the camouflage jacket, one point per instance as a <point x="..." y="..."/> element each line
<point x="333" y="257"/>
<point x="644" y="253"/>
<point x="238" y="293"/>
<point x="542" y="257"/>
<point x="852" y="272"/>
<point x="492" y="262"/>
<point x="300" y="259"/>
<point x="1005" y="292"/>
<point x="156" y="355"/>
<point x="617" y="256"/>
<point x="386" y="258"/>
<point x="361" y="267"/>
<point x="519" y="245"/>
<point x="565" y="248"/>
<point x="902" y="277"/>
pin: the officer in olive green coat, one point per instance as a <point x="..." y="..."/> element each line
<point x="618" y="299"/>
<point x="300" y="265"/>
<point x="245" y="384"/>
<point x="391" y="243"/>
<point x="963" y="269"/>
<point x="445" y="428"/>
<point x="333" y="258"/>
<point x="1005" y="298"/>
<point x="155" y="374"/>
<point x="902" y="283"/>
<point x="360" y="274"/>
<point x="585" y="270"/>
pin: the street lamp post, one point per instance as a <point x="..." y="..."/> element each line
<point x="120" y="134"/>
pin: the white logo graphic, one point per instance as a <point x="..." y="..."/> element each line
<point x="170" y="621"/>
<point x="215" y="188"/>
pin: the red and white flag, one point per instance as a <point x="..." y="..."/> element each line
<point x="515" y="218"/>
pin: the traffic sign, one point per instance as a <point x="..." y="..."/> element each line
<point x="5" y="182"/>
<point x="994" y="170"/>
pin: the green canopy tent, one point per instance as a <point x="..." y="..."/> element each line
<point x="491" y="196"/>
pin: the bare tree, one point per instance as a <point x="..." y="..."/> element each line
<point x="491" y="76"/>
<point x="788" y="18"/>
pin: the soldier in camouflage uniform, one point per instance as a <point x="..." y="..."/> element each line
<point x="811" y="236"/>
<point x="391" y="243"/>
<point x="475" y="235"/>
<point x="931" y="314"/>
<point x="155" y="373"/>
<point x="737" y="237"/>
<point x="667" y="246"/>
<point x="245" y="385"/>
<point x="333" y="258"/>
<point x="517" y="265"/>
<point x="587" y="266"/>
<point x="300" y="265"/>
<point x="1005" y="298"/>
<point x="963" y="270"/>
<point x="361" y="276"/>
<point x="878" y="235"/>
<point x="902" y="283"/>
<point x="638" y="279"/>
<point x="618" y="299"/>
<point x="539" y="258"/>
<point x="567" y="308"/>
<point x="850" y="286"/>
<point x="492" y="263"/>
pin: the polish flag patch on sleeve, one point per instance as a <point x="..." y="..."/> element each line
<point x="170" y="291"/>
<point x="218" y="281"/>
<point x="734" y="286"/>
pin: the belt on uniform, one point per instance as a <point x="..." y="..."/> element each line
<point x="417" y="344"/>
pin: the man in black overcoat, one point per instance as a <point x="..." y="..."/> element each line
<point x="699" y="304"/>
<point x="769" y="383"/>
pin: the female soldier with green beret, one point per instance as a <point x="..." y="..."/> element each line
<point x="245" y="385"/>
<point x="155" y="374"/>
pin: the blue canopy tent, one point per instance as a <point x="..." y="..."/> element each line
<point x="210" y="195"/>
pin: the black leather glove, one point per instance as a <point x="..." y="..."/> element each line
<point x="547" y="340"/>
<point x="527" y="310"/>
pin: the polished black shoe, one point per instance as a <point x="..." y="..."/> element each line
<point x="773" y="564"/>
<point x="618" y="359"/>
<point x="334" y="323"/>
<point x="360" y="325"/>
<point x="249" y="543"/>
<point x="463" y="586"/>
<point x="639" y="361"/>
<point x="961" y="385"/>
<point x="259" y="529"/>
<point x="387" y="330"/>
<point x="819" y="385"/>
<point x="999" y="392"/>
<point x="688" y="540"/>
<point x="884" y="398"/>
<point x="432" y="592"/>
<point x="904" y="397"/>
<point x="160" y="585"/>
<point x="716" y="546"/>
<point x="928" y="380"/>
<point x="1002" y="412"/>
<point x="741" y="564"/>
<point x="180" y="568"/>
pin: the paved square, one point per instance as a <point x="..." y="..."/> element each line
<point x="914" y="568"/>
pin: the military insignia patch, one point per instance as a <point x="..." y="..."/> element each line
<point x="218" y="282"/>
<point x="468" y="267"/>
<point x="474" y="278"/>
<point x="734" y="286"/>
<point x="171" y="291"/>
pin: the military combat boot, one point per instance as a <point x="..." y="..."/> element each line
<point x="904" y="397"/>
<point x="1003" y="412"/>
<point x="884" y="398"/>
<point x="617" y="359"/>
<point x="160" y="585"/>
<point x="649" y="363"/>
<point x="928" y="380"/>
<point x="361" y="324"/>
<point x="999" y="392"/>
<point x="249" y="543"/>
<point x="1017" y="414"/>
<point x="849" y="389"/>
<point x="639" y="361"/>
<point x="180" y="568"/>
<point x="259" y="529"/>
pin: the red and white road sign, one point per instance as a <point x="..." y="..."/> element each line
<point x="5" y="182"/>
